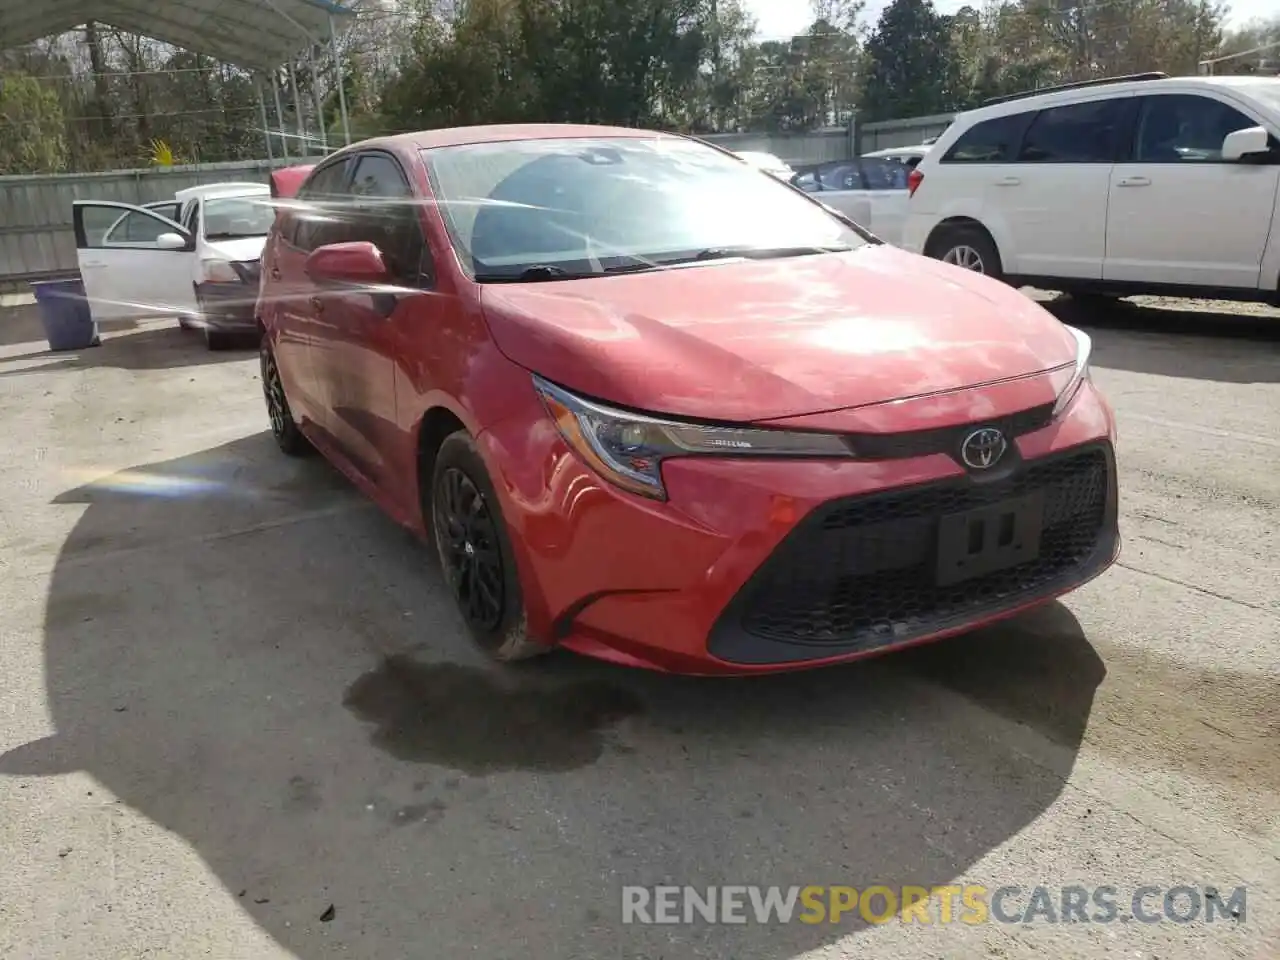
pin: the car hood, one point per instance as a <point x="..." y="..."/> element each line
<point x="766" y="339"/>
<point x="246" y="248"/>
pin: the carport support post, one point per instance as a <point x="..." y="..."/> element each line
<point x="342" y="84"/>
<point x="303" y="145"/>
<point x="315" y="93"/>
<point x="262" y="113"/>
<point x="275" y="90"/>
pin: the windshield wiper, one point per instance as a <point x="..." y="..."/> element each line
<point x="533" y="274"/>
<point x="759" y="253"/>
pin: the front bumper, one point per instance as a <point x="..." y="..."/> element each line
<point x="229" y="307"/>
<point x="756" y="566"/>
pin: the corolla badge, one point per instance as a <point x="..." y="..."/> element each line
<point x="982" y="449"/>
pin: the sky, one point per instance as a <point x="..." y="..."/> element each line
<point x="785" y="18"/>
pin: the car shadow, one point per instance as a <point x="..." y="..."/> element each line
<point x="243" y="650"/>
<point x="1219" y="343"/>
<point x="152" y="347"/>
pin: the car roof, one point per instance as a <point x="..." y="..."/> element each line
<point x="221" y="189"/>
<point x="499" y="132"/>
<point x="1038" y="101"/>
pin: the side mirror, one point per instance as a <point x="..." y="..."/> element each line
<point x="171" y="241"/>
<point x="1242" y="143"/>
<point x="357" y="263"/>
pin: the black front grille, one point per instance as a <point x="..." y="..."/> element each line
<point x="862" y="572"/>
<point x="920" y="443"/>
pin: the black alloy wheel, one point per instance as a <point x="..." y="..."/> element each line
<point x="475" y="550"/>
<point x="287" y="435"/>
<point x="468" y="541"/>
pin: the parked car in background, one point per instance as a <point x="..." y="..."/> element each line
<point x="682" y="417"/>
<point x="909" y="156"/>
<point x="768" y="163"/>
<point x="196" y="257"/>
<point x="870" y="191"/>
<point x="1134" y="185"/>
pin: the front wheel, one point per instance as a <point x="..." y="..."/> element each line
<point x="969" y="248"/>
<point x="475" y="552"/>
<point x="287" y="435"/>
<point x="216" y="339"/>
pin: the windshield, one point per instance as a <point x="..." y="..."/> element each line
<point x="231" y="218"/>
<point x="574" y="207"/>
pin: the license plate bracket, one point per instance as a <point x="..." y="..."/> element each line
<point x="989" y="539"/>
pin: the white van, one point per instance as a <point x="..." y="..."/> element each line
<point x="1138" y="185"/>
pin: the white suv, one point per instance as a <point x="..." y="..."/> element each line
<point x="1144" y="184"/>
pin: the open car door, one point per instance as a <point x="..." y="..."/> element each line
<point x="133" y="261"/>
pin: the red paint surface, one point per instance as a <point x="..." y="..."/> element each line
<point x="876" y="341"/>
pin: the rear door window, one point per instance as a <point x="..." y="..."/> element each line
<point x="886" y="174"/>
<point x="1075" y="133"/>
<point x="842" y="175"/>
<point x="991" y="141"/>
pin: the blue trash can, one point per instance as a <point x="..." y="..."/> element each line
<point x="64" y="311"/>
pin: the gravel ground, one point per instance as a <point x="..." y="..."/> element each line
<point x="240" y="720"/>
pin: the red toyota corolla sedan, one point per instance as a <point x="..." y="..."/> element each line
<point x="658" y="407"/>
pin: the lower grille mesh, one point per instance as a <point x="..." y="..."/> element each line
<point x="861" y="572"/>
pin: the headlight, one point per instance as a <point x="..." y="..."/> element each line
<point x="1073" y="376"/>
<point x="219" y="271"/>
<point x="627" y="449"/>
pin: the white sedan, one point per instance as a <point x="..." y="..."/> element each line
<point x="870" y="191"/>
<point x="196" y="257"/>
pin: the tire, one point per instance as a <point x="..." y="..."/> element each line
<point x="475" y="552"/>
<point x="287" y="435"/>
<point x="969" y="248"/>
<point x="217" y="339"/>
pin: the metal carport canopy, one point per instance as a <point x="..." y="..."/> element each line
<point x="252" y="34"/>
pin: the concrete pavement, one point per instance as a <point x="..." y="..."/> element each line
<point x="234" y="697"/>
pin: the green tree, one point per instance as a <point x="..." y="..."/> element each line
<point x="31" y="119"/>
<point x="1112" y="39"/>
<point x="999" y="50"/>
<point x="1253" y="48"/>
<point x="910" y="65"/>
<point x="588" y="61"/>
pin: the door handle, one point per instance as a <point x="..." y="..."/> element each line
<point x="275" y="273"/>
<point x="1133" y="182"/>
<point x="1008" y="182"/>
<point x="317" y="305"/>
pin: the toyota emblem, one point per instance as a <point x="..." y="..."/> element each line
<point x="982" y="449"/>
